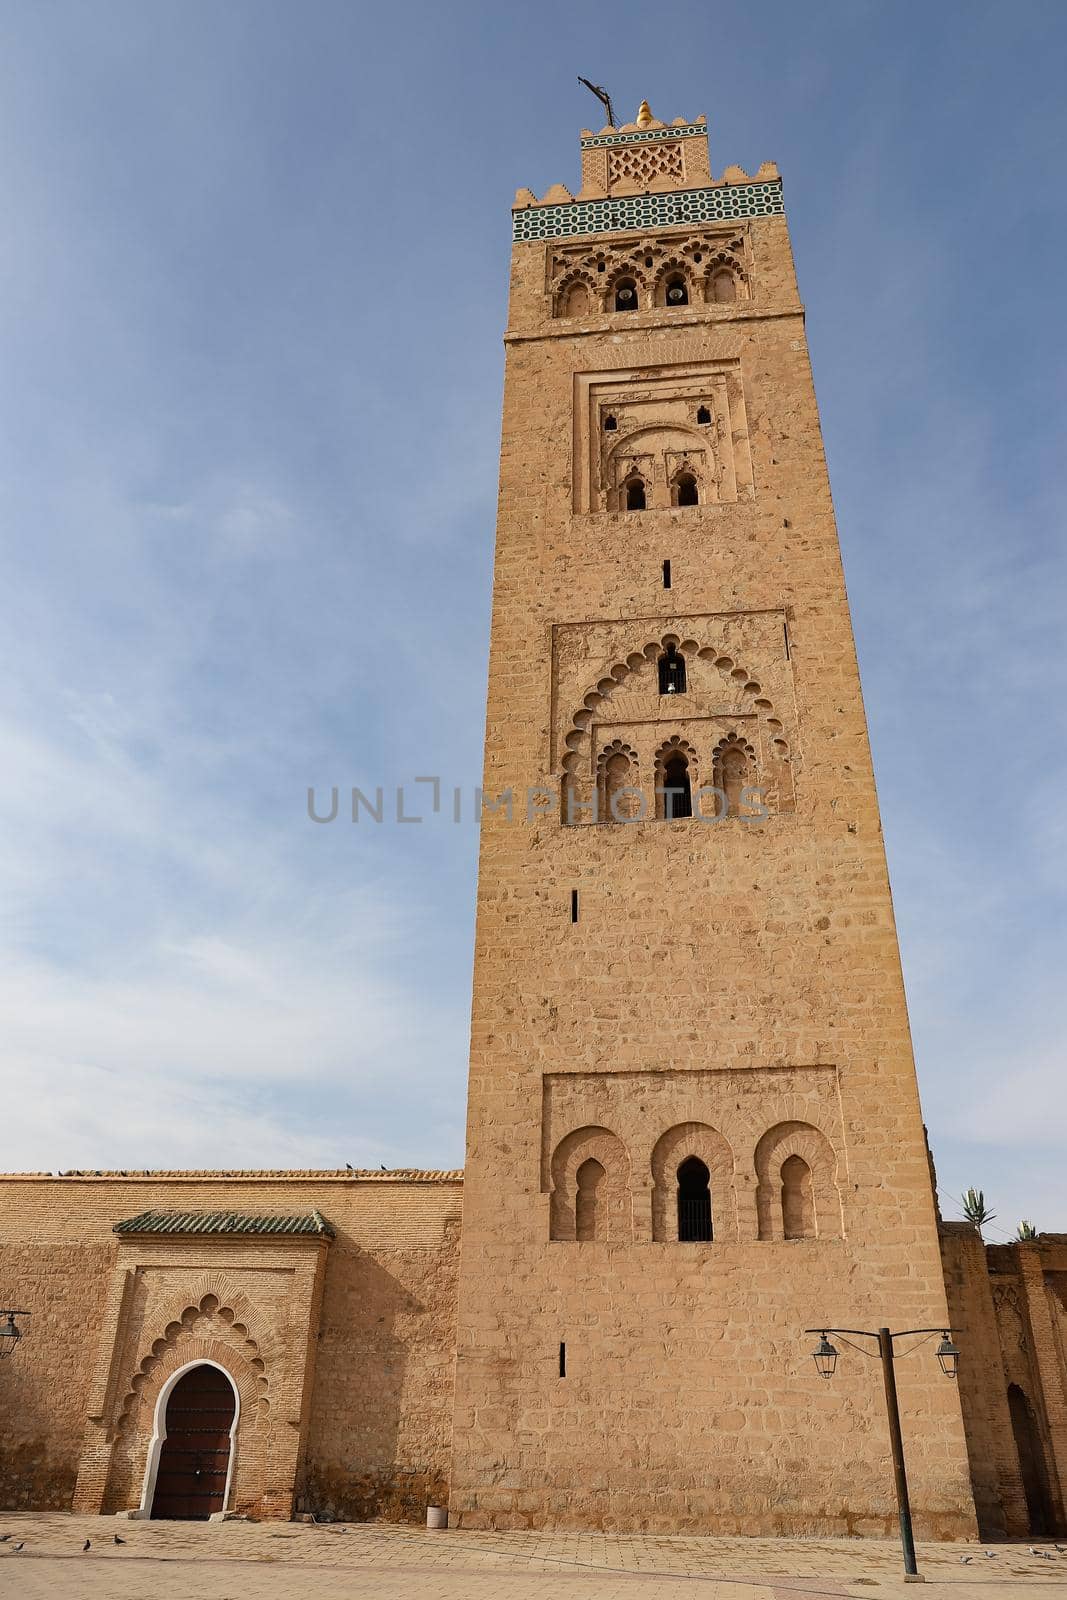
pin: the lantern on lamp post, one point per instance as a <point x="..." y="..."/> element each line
<point x="948" y="1357"/>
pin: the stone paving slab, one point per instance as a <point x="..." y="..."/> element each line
<point x="254" y="1561"/>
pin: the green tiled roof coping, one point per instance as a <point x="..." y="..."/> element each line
<point x="308" y="1222"/>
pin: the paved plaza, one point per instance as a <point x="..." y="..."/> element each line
<point x="275" y="1561"/>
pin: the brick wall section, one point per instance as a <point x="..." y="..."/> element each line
<point x="983" y="1385"/>
<point x="707" y="955"/>
<point x="344" y="1364"/>
<point x="1008" y="1305"/>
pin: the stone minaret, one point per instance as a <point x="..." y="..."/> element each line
<point x="694" y="1128"/>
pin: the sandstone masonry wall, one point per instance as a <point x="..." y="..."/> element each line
<point x="730" y="992"/>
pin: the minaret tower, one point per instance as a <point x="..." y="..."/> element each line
<point x="694" y="1128"/>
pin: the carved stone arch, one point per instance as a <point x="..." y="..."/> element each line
<point x="670" y="749"/>
<point x="811" y="1145"/>
<point x="619" y="272"/>
<point x="678" y="1144"/>
<point x="135" y="1436"/>
<point x="684" y="470"/>
<point x="675" y="266"/>
<point x="208" y="1311"/>
<point x="564" y="299"/>
<point x="721" y="263"/>
<point x="654" y="449"/>
<point x="633" y="472"/>
<point x="731" y="751"/>
<point x="612" y="778"/>
<point x="576" y="760"/>
<point x="614" y="1209"/>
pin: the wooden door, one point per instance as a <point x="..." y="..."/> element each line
<point x="195" y="1455"/>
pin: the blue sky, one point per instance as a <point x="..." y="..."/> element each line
<point x="253" y="284"/>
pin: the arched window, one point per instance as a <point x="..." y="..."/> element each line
<point x="671" y="671"/>
<point x="610" y="424"/>
<point x="677" y="790"/>
<point x="798" y="1202"/>
<point x="685" y="490"/>
<point x="703" y="415"/>
<point x="694" y="1201"/>
<point x="723" y="286"/>
<point x="626" y="295"/>
<point x="677" y="291"/>
<point x="634" y="488"/>
<point x="589" y="1178"/>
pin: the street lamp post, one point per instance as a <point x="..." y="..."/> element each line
<point x="825" y="1357"/>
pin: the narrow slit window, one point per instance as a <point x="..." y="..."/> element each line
<point x="703" y="415"/>
<point x="610" y="424"/>
<point x="666" y="574"/>
<point x="574" y="905"/>
<point x="562" y="1359"/>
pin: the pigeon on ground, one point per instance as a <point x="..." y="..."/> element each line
<point x="965" y="1559"/>
<point x="350" y="1167"/>
<point x="990" y="1555"/>
<point x="15" y="1548"/>
<point x="118" y="1540"/>
<point x="87" y="1546"/>
<point x="4" y="1538"/>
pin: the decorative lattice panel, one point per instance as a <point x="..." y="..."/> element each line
<point x="644" y="163"/>
<point x="723" y="203"/>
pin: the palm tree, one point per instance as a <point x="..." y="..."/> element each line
<point x="975" y="1209"/>
<point x="1026" y="1230"/>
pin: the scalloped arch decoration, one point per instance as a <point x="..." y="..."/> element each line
<point x="575" y="740"/>
<point x="235" y="1340"/>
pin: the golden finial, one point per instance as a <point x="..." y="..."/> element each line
<point x="645" y="118"/>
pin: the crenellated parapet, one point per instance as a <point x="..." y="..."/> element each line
<point x="647" y="174"/>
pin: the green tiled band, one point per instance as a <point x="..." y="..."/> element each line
<point x="723" y="203"/>
<point x="599" y="140"/>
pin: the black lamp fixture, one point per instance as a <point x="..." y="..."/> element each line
<point x="10" y="1332"/>
<point x="948" y="1356"/>
<point x="825" y="1357"/>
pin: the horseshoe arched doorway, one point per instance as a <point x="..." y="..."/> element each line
<point x="192" y="1454"/>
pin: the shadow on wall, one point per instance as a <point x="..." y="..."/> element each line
<point x="43" y="1386"/>
<point x="373" y="1442"/>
